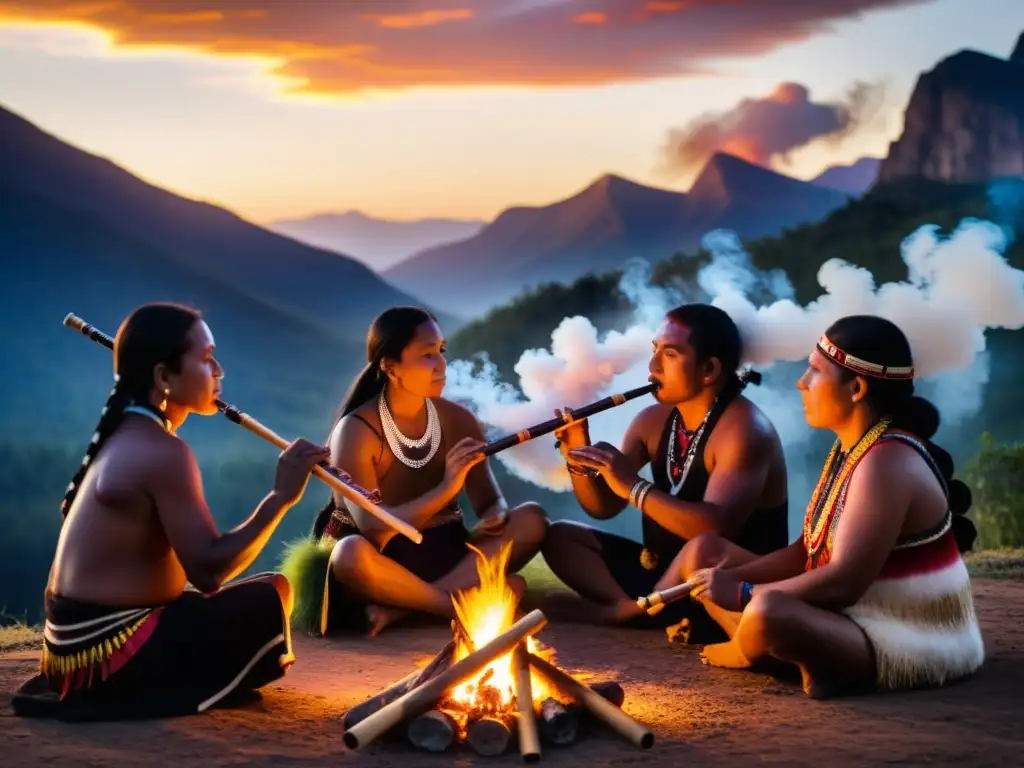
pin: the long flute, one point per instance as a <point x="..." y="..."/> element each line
<point x="579" y="413"/>
<point x="655" y="602"/>
<point x="323" y="470"/>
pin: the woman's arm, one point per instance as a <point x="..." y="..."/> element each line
<point x="211" y="558"/>
<point x="876" y="508"/>
<point x="775" y="566"/>
<point x="353" y="448"/>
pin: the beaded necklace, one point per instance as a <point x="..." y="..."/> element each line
<point x="819" y="521"/>
<point x="396" y="439"/>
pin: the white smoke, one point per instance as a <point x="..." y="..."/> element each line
<point x="956" y="288"/>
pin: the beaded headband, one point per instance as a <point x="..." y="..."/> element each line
<point x="855" y="364"/>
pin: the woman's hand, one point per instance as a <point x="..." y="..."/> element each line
<point x="463" y="456"/>
<point x="719" y="587"/>
<point x="609" y="463"/>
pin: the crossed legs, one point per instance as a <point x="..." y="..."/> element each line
<point x="831" y="652"/>
<point x="392" y="591"/>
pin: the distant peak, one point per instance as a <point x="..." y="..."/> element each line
<point x="1018" y="50"/>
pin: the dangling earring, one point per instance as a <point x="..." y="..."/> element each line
<point x="163" y="403"/>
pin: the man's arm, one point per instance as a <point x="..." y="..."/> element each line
<point x="353" y="446"/>
<point x="210" y="558"/>
<point x="742" y="458"/>
<point x="873" y="516"/>
<point x="593" y="493"/>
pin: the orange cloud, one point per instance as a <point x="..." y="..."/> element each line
<point x="761" y="130"/>
<point x="350" y="47"/>
<point x="591" y="17"/>
<point x="421" y="18"/>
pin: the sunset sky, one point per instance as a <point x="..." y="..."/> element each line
<point x="459" y="108"/>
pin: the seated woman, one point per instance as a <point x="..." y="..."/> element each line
<point x="358" y="574"/>
<point x="875" y="595"/>
<point x="125" y="636"/>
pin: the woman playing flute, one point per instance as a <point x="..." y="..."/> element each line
<point x="398" y="434"/>
<point x="874" y="595"/>
<point x="125" y="635"/>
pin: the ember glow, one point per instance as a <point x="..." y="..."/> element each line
<point x="483" y="613"/>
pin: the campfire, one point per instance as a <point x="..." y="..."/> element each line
<point x="493" y="680"/>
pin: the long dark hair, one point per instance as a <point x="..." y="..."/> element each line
<point x="389" y="334"/>
<point x="880" y="341"/>
<point x="152" y="334"/>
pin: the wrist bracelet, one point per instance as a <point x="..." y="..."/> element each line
<point x="745" y="592"/>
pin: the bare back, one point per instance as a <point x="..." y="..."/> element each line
<point x="112" y="548"/>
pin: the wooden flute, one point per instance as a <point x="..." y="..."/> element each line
<point x="338" y="481"/>
<point x="578" y="413"/>
<point x="655" y="602"/>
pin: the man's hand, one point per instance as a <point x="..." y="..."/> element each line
<point x="609" y="463"/>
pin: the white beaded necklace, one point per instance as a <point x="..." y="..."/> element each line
<point x="396" y="439"/>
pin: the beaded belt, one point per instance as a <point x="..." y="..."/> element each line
<point x="342" y="518"/>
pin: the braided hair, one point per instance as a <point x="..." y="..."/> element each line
<point x="153" y="334"/>
<point x="876" y="339"/>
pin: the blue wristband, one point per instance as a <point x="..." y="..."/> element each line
<point x="746" y="593"/>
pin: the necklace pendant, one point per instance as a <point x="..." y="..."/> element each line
<point x="648" y="559"/>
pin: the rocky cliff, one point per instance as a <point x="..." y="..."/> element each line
<point x="964" y="121"/>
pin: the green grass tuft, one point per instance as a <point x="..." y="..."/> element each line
<point x="1005" y="563"/>
<point x="304" y="563"/>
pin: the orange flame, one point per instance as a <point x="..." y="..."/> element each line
<point x="485" y="612"/>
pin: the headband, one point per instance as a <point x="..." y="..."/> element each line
<point x="863" y="367"/>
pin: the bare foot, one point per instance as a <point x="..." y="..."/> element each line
<point x="727" y="655"/>
<point x="380" y="616"/>
<point x="567" y="606"/>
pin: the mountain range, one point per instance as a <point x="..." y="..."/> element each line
<point x="602" y="226"/>
<point x="378" y="243"/>
<point x="856" y="178"/>
<point x="80" y="234"/>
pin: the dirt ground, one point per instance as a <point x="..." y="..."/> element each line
<point x="699" y="715"/>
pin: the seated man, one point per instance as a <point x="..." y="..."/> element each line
<point x="875" y="595"/>
<point x="717" y="465"/>
<point x="125" y="636"/>
<point x="398" y="435"/>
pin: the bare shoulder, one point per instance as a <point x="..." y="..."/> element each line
<point x="891" y="464"/>
<point x="457" y="419"/>
<point x="651" y="419"/>
<point x="160" y="458"/>
<point x="361" y="427"/>
<point x="744" y="421"/>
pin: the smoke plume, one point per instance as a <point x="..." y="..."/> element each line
<point x="760" y="130"/>
<point x="957" y="287"/>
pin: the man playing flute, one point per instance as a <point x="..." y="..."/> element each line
<point x="718" y="467"/>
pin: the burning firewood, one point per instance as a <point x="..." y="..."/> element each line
<point x="437" y="665"/>
<point x="623" y="724"/>
<point x="423" y="698"/>
<point x="489" y="735"/>
<point x="433" y="731"/>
